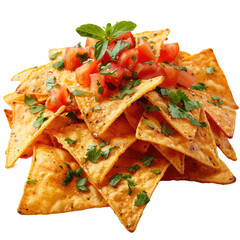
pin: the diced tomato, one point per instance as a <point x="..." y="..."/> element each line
<point x="185" y="79"/>
<point x="91" y="53"/>
<point x="168" y="52"/>
<point x="59" y="96"/>
<point x="98" y="86"/>
<point x="125" y="38"/>
<point x="72" y="54"/>
<point x="83" y="72"/>
<point x="171" y="78"/>
<point x="90" y="42"/>
<point x="149" y="70"/>
<point x="127" y="73"/>
<point x="145" y="51"/>
<point x="129" y="59"/>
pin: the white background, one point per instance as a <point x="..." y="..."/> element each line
<point x="178" y="210"/>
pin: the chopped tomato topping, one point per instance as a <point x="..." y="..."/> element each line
<point x="145" y="51"/>
<point x="59" y="96"/>
<point x="74" y="56"/>
<point x="125" y="38"/>
<point x="90" y="42"/>
<point x="129" y="59"/>
<point x="168" y="52"/>
<point x="149" y="70"/>
<point x="83" y="72"/>
<point x="171" y="76"/>
<point x="98" y="86"/>
<point x="185" y="79"/>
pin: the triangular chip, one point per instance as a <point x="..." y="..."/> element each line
<point x="98" y="121"/>
<point x="44" y="193"/>
<point x="118" y="138"/>
<point x="23" y="132"/>
<point x="205" y="68"/>
<point x="23" y="75"/>
<point x="155" y="38"/>
<point x="13" y="97"/>
<point x="118" y="196"/>
<point x="183" y="126"/>
<point x="195" y="171"/>
<point x="202" y="148"/>
<point x="9" y="116"/>
<point x="58" y="53"/>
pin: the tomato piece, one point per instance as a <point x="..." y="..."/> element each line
<point x="82" y="73"/>
<point x="125" y="38"/>
<point x="149" y="70"/>
<point x="129" y="58"/>
<point x="127" y="73"/>
<point x="145" y="51"/>
<point x="59" y="96"/>
<point x="171" y="76"/>
<point x="98" y="86"/>
<point x="168" y="52"/>
<point x="90" y="42"/>
<point x="72" y="55"/>
<point x="185" y="79"/>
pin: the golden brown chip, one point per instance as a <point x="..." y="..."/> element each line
<point x="202" y="148"/>
<point x="13" y="97"/>
<point x="155" y="38"/>
<point x="21" y="76"/>
<point x="116" y="141"/>
<point x="180" y="57"/>
<point x="118" y="196"/>
<point x="44" y="193"/>
<point x="222" y="141"/>
<point x="183" y="126"/>
<point x="58" y="52"/>
<point x="140" y="146"/>
<point x="9" y="116"/>
<point x="215" y="81"/>
<point x="195" y="171"/>
<point x="98" y="121"/>
<point x="23" y="133"/>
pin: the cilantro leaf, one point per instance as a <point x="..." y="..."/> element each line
<point x="124" y="92"/>
<point x="134" y="83"/>
<point x="72" y="116"/>
<point x="107" y="152"/>
<point x="100" y="90"/>
<point x="54" y="55"/>
<point x="98" y="107"/>
<point x="175" y="97"/>
<point x="115" y="179"/>
<point x="176" y="111"/>
<point x="175" y="67"/>
<point x="68" y="178"/>
<point x="163" y="92"/>
<point x="93" y="154"/>
<point x="36" y="109"/>
<point x="167" y="130"/>
<point x="200" y="87"/>
<point x="70" y="141"/>
<point x="157" y="171"/>
<point x="220" y="101"/>
<point x="195" y="122"/>
<point x="210" y="70"/>
<point x="149" y="108"/>
<point x="103" y="143"/>
<point x="59" y="65"/>
<point x="149" y="124"/>
<point x="80" y="183"/>
<point x="213" y="103"/>
<point x="29" y="100"/>
<point x="78" y="172"/>
<point x="133" y="168"/>
<point x="118" y="47"/>
<point x="77" y="92"/>
<point x="191" y="104"/>
<point x="50" y="83"/>
<point x="142" y="199"/>
<point x="131" y="184"/>
<point x="40" y="120"/>
<point x="30" y="181"/>
<point x="147" y="160"/>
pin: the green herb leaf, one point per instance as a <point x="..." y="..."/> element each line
<point x="78" y="172"/>
<point x="30" y="181"/>
<point x="103" y="143"/>
<point x="131" y="184"/>
<point x="175" y="97"/>
<point x="59" y="65"/>
<point x="134" y="83"/>
<point x="147" y="160"/>
<point x="176" y="112"/>
<point x="124" y="92"/>
<point x="80" y="183"/>
<point x="115" y="179"/>
<point x="163" y="92"/>
<point x="175" y="67"/>
<point x="36" y="109"/>
<point x="72" y="116"/>
<point x="167" y="130"/>
<point x="121" y="27"/>
<point x="133" y="168"/>
<point x="213" y="103"/>
<point x="100" y="49"/>
<point x="220" y="101"/>
<point x="29" y="100"/>
<point x="68" y="178"/>
<point x="50" y="83"/>
<point x="157" y="171"/>
<point x="93" y="154"/>
<point x="195" y="122"/>
<point x="54" y="55"/>
<point x="200" y="87"/>
<point x="100" y="90"/>
<point x="118" y="47"/>
<point x="82" y="57"/>
<point x="107" y="152"/>
<point x="40" y="120"/>
<point x="70" y="141"/>
<point x="149" y="124"/>
<point x="151" y="108"/>
<point x="142" y="199"/>
<point x="210" y="70"/>
<point x="77" y="92"/>
<point x="104" y="70"/>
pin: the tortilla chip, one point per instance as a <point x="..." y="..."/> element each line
<point x="35" y="84"/>
<point x="216" y="83"/>
<point x="180" y="57"/>
<point x="23" y="133"/>
<point x="118" y="198"/>
<point x="197" y="172"/>
<point x="120" y="136"/>
<point x="202" y="148"/>
<point x="59" y="56"/>
<point x="9" y="116"/>
<point x="13" y="97"/>
<point x="23" y="75"/>
<point x="46" y="194"/>
<point x="222" y="141"/>
<point x="98" y="121"/>
<point x="183" y="126"/>
<point x="156" y="38"/>
<point x="140" y="146"/>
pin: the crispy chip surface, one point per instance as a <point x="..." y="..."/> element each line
<point x="46" y="194"/>
<point x="23" y="75"/>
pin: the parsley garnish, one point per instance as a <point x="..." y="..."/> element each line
<point x="59" y="65"/>
<point x="30" y="181"/>
<point x="142" y="199"/>
<point x="36" y="109"/>
<point x="82" y="57"/>
<point x="40" y="120"/>
<point x="118" y="47"/>
<point x="177" y="68"/>
<point x="70" y="141"/>
<point x="163" y="92"/>
<point x="151" y="108"/>
<point x="134" y="83"/>
<point x="167" y="130"/>
<point x="147" y="160"/>
<point x="103" y="143"/>
<point x="210" y="70"/>
<point x="93" y="154"/>
<point x="105" y="68"/>
<point x="29" y="100"/>
<point x="220" y="101"/>
<point x="157" y="171"/>
<point x="77" y="92"/>
<point x="50" y="83"/>
<point x="54" y="55"/>
<point x="124" y="91"/>
<point x="149" y="124"/>
<point x="133" y="168"/>
<point x="131" y="184"/>
<point x="104" y="35"/>
<point x="72" y="116"/>
<point x="68" y="178"/>
<point x="80" y="183"/>
<point x="106" y="153"/>
<point x="200" y="87"/>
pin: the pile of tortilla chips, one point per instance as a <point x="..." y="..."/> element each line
<point x="114" y="152"/>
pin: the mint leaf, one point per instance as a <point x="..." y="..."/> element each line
<point x="220" y="101"/>
<point x="149" y="108"/>
<point x="210" y="70"/>
<point x="59" y="65"/>
<point x="167" y="130"/>
<point x="70" y="141"/>
<point x="80" y="183"/>
<point x="120" y="28"/>
<point x="29" y="100"/>
<point x="92" y="31"/>
<point x="54" y="55"/>
<point x="77" y="92"/>
<point x="199" y="87"/>
<point x="142" y="199"/>
<point x="133" y="168"/>
<point x="149" y="124"/>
